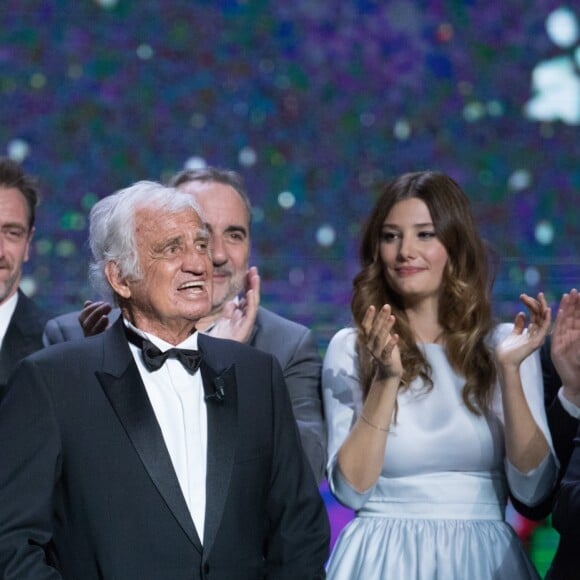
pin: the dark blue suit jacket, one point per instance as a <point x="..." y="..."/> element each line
<point x="566" y="519"/>
<point x="564" y="502"/>
<point x="23" y="336"/>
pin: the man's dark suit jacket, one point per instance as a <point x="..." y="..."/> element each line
<point x="23" y="336"/>
<point x="564" y="429"/>
<point x="566" y="519"/>
<point x="88" y="491"/>
<point x="294" y="347"/>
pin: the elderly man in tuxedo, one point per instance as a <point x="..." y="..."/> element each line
<point x="236" y="312"/>
<point x="151" y="451"/>
<point x="21" y="320"/>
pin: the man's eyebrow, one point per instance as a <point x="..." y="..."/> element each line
<point x="162" y="244"/>
<point x="235" y="228"/>
<point x="14" y="225"/>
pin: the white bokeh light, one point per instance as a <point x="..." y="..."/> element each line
<point x="555" y="81"/>
<point x="562" y="27"/>
<point x="247" y="157"/>
<point x="18" y="150"/>
<point x="107" y="3"/>
<point x="195" y="162"/>
<point x="144" y="51"/>
<point x="286" y="199"/>
<point x="520" y="179"/>
<point x="325" y="235"/>
<point x="544" y="233"/>
<point x="473" y="111"/>
<point x="28" y="285"/>
<point x="532" y="276"/>
<point x="402" y="130"/>
<point x="556" y="86"/>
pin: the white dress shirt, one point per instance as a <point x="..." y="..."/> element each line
<point x="6" y="311"/>
<point x="177" y="399"/>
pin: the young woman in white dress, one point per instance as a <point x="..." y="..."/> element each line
<point x="433" y="412"/>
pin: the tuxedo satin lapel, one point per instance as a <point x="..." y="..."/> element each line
<point x="221" y="446"/>
<point x="126" y="392"/>
<point x="19" y="345"/>
<point x="5" y="367"/>
<point x="23" y="335"/>
<point x="14" y="349"/>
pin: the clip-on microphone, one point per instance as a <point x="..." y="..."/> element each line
<point x="219" y="393"/>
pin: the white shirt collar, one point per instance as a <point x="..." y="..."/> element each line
<point x="190" y="342"/>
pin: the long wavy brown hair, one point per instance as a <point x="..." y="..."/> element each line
<point x="464" y="307"/>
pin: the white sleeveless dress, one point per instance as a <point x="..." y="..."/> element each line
<point x="437" y="510"/>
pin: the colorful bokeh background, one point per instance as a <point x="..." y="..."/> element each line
<point x="315" y="102"/>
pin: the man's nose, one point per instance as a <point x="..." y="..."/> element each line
<point x="219" y="255"/>
<point x="195" y="262"/>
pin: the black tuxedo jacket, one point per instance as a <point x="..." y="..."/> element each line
<point x="292" y="344"/>
<point x="23" y="336"/>
<point x="88" y="491"/>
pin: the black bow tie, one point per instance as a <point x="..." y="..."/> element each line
<point x="153" y="357"/>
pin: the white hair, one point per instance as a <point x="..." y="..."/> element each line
<point x="112" y="227"/>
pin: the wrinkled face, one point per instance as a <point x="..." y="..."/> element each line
<point x="176" y="283"/>
<point x="227" y="220"/>
<point x="413" y="257"/>
<point x="15" y="237"/>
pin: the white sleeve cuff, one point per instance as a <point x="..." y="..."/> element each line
<point x="533" y="487"/>
<point x="344" y="492"/>
<point x="569" y="407"/>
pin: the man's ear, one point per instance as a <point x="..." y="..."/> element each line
<point x="117" y="282"/>
<point x="27" y="251"/>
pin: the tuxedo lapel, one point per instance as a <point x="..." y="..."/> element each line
<point x="23" y="335"/>
<point x="222" y="439"/>
<point x="126" y="392"/>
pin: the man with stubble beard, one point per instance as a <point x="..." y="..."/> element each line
<point x="21" y="320"/>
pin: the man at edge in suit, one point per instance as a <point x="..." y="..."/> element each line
<point x="566" y="511"/>
<point x="561" y="370"/>
<point x="151" y="451"/>
<point x="21" y="321"/>
<point x="227" y="210"/>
